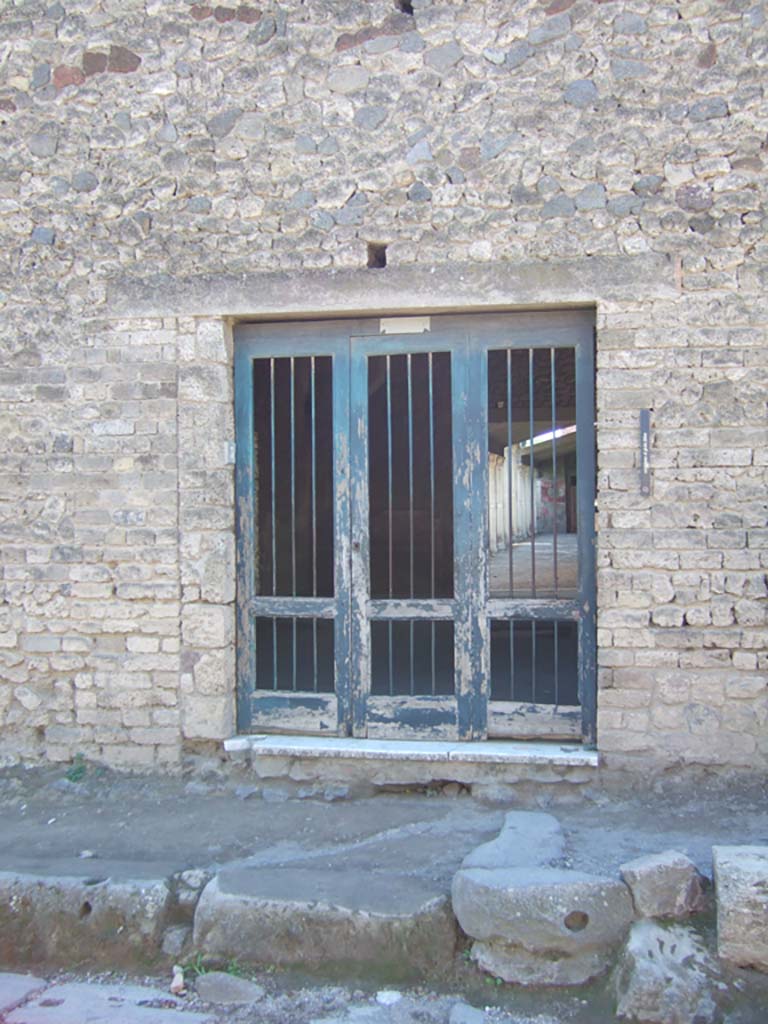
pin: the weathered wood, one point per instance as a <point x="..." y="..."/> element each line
<point x="470" y="443"/>
<point x="293" y="607"/>
<point x="528" y="608"/>
<point x="314" y="714"/>
<point x="585" y="497"/>
<point x="360" y="579"/>
<point x="425" y="718"/>
<point x="410" y="609"/>
<point x="342" y="539"/>
<point x="244" y="526"/>
<point x="516" y="720"/>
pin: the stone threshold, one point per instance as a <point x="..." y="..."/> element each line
<point x="501" y="752"/>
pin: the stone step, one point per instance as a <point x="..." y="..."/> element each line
<point x="400" y="926"/>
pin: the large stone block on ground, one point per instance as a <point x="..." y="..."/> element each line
<point x="518" y="966"/>
<point x="105" y="1004"/>
<point x="741" y="890"/>
<point x="70" y="921"/>
<point x="527" y="839"/>
<point x="320" y="917"/>
<point x="665" y="885"/>
<point x="541" y="926"/>
<point x="15" y="988"/>
<point x="666" y="976"/>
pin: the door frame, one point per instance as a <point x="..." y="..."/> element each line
<point x="344" y="339"/>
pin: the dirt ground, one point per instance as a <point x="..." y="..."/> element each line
<point x="149" y="824"/>
<point x="88" y="820"/>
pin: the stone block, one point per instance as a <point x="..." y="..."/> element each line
<point x="528" y="919"/>
<point x="321" y="916"/>
<point x="207" y="625"/>
<point x="61" y="920"/>
<point x="222" y="988"/>
<point x="741" y="890"/>
<point x="15" y="988"/>
<point x="527" y="838"/>
<point x="666" y="976"/>
<point x="665" y="885"/>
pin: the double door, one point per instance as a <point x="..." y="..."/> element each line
<point x="415" y="526"/>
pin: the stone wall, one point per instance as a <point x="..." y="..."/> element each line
<point x="158" y="140"/>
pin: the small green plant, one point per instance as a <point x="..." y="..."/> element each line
<point x="234" y="968"/>
<point x="77" y="770"/>
<point x="196" y="966"/>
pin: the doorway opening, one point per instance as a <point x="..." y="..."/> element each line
<point x="415" y="546"/>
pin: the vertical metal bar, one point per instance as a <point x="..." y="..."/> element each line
<point x="430" y="375"/>
<point x="313" y="498"/>
<point x="511" y="659"/>
<point x="509" y="472"/>
<point x="554" y="469"/>
<point x="273" y="482"/>
<point x="274" y="512"/>
<point x="557" y="664"/>
<point x="293" y="515"/>
<point x="531" y="475"/>
<point x="389" y="518"/>
<point x="533" y="660"/>
<point x="409" y="372"/>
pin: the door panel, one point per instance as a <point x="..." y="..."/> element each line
<point x="292" y="410"/>
<point x="403" y="473"/>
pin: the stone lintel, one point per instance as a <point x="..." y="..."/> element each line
<point x="446" y="287"/>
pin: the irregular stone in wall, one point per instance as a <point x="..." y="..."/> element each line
<point x="265" y="29"/>
<point x="122" y="60"/>
<point x="222" y="124"/>
<point x="557" y="26"/>
<point x="248" y="15"/>
<point x="84" y="181"/>
<point x="370" y="118"/>
<point x="224" y="14"/>
<point x="558" y="206"/>
<point x="591" y="197"/>
<point x="441" y="58"/>
<point x="629" y="24"/>
<point x="707" y="57"/>
<point x="582" y="93"/>
<point x="348" y="79"/>
<point x="43" y="236"/>
<point x="624" y="67"/>
<point x="696" y="198"/>
<point x="708" y="109"/>
<point x="65" y="75"/>
<point x="517" y="54"/>
<point x="43" y="144"/>
<point x="419" y="193"/>
<point x="94" y="63"/>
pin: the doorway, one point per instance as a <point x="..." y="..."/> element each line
<point x="414" y="522"/>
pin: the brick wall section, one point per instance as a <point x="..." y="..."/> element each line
<point x="168" y="138"/>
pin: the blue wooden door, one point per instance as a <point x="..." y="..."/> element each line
<point x="414" y="518"/>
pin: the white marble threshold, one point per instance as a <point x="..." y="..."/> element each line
<point x="485" y="751"/>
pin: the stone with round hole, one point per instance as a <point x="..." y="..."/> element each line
<point x="543" y="910"/>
